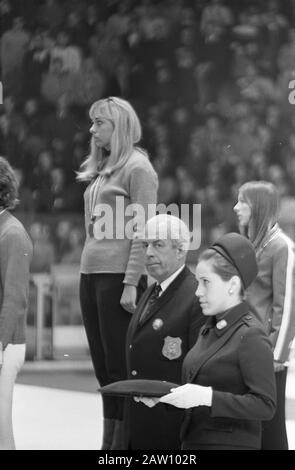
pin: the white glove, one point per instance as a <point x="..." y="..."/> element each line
<point x="150" y="402"/>
<point x="188" y="396"/>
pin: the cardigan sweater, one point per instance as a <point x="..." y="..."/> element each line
<point x="15" y="258"/>
<point x="110" y="250"/>
<point x="272" y="294"/>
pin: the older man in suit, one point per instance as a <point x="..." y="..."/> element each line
<point x="163" y="328"/>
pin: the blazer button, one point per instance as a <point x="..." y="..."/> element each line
<point x="134" y="372"/>
<point x="130" y="346"/>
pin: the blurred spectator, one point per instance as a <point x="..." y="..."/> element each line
<point x="185" y="76"/>
<point x="243" y="139"/>
<point x="69" y="54"/>
<point x="256" y="87"/>
<point x="165" y="82"/>
<point x="258" y="166"/>
<point x="43" y="254"/>
<point x="32" y="116"/>
<point x="41" y="182"/>
<point x="180" y="129"/>
<point x="91" y="19"/>
<point x="6" y="15"/>
<point x="36" y="63"/>
<point x="118" y="23"/>
<point x="276" y="27"/>
<point x="62" y="235"/>
<point x="168" y="190"/>
<point x="12" y="132"/>
<point x="56" y="82"/>
<point x="278" y="177"/>
<point x="77" y="30"/>
<point x="73" y="256"/>
<point x="14" y="44"/>
<point x="110" y="57"/>
<point x="59" y="126"/>
<point x="214" y="63"/>
<point x="64" y="196"/>
<point x="215" y="14"/>
<point x="209" y="79"/>
<point x="51" y="13"/>
<point x="26" y="201"/>
<point x="88" y="84"/>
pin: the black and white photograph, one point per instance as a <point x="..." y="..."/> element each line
<point x="147" y="228"/>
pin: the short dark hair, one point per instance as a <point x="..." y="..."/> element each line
<point x="8" y="185"/>
<point x="221" y="266"/>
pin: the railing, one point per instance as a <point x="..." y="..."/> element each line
<point x="55" y="322"/>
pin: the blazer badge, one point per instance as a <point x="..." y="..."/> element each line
<point x="157" y="324"/>
<point x="172" y="347"/>
<point x="221" y="324"/>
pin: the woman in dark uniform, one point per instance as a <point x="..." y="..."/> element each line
<point x="229" y="378"/>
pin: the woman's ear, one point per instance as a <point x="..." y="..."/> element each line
<point x="234" y="285"/>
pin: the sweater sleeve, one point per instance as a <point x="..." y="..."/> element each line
<point x="283" y="311"/>
<point x="15" y="255"/>
<point x="256" y="366"/>
<point x="143" y="191"/>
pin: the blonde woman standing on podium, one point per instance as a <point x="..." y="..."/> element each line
<point x="119" y="174"/>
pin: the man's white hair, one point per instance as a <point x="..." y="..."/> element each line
<point x="168" y="227"/>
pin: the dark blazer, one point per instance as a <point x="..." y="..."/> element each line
<point x="155" y="350"/>
<point x="234" y="358"/>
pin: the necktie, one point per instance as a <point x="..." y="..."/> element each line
<point x="151" y="302"/>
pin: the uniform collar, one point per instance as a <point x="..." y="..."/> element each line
<point x="228" y="318"/>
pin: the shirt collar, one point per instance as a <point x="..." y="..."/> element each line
<point x="166" y="283"/>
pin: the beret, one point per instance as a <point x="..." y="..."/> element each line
<point x="139" y="388"/>
<point x="239" y="251"/>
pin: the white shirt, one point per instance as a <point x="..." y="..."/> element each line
<point x="166" y="283"/>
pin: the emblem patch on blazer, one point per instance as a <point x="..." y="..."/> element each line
<point x="221" y="324"/>
<point x="172" y="347"/>
<point x="157" y="324"/>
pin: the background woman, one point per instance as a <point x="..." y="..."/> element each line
<point x="271" y="296"/>
<point x="16" y="254"/>
<point x="230" y="385"/>
<point x="112" y="263"/>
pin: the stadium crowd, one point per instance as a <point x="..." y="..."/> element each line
<point x="209" y="80"/>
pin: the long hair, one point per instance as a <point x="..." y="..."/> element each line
<point x="8" y="185"/>
<point x="263" y="199"/>
<point x="127" y="133"/>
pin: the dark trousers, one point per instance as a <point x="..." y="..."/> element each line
<point x="274" y="434"/>
<point x="106" y="324"/>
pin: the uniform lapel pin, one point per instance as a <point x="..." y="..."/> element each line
<point x="221" y="324"/>
<point x="157" y="323"/>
